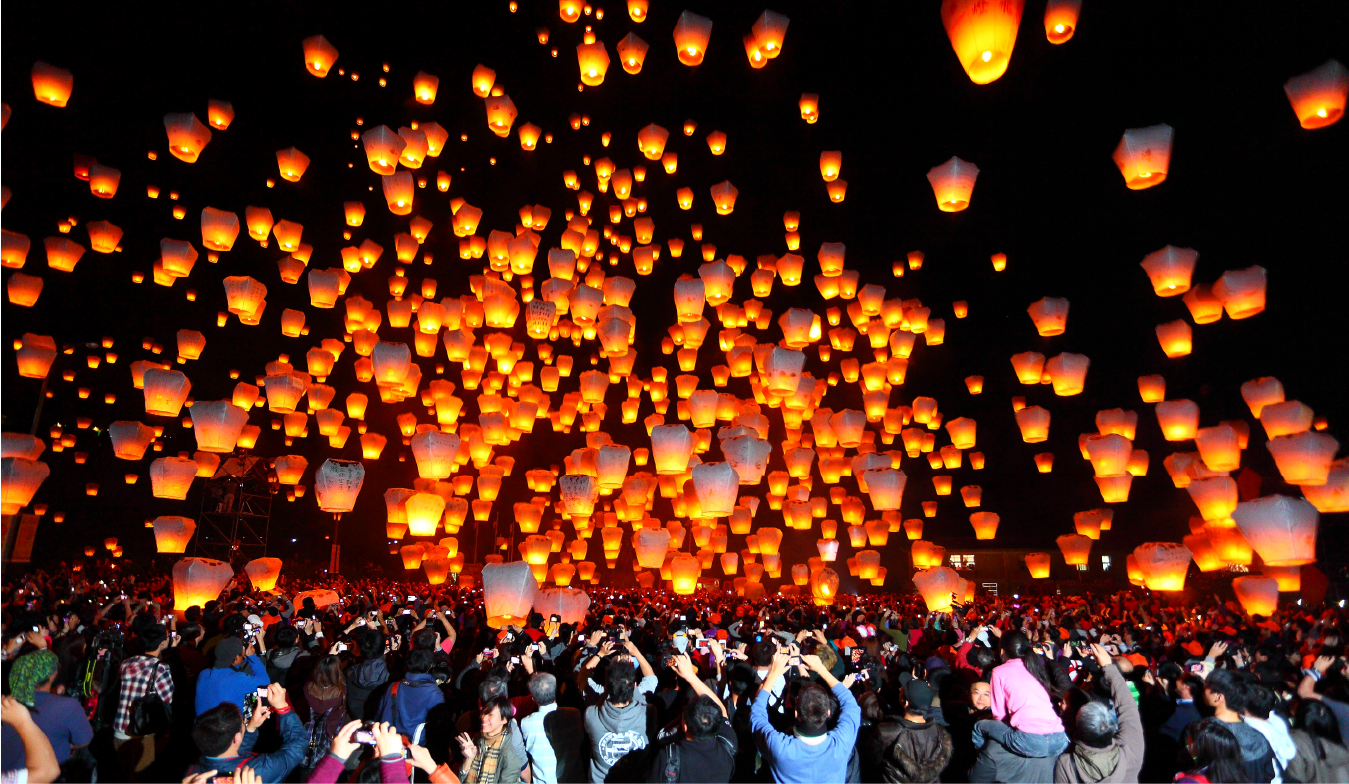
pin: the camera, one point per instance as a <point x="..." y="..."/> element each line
<point x="364" y="735"/>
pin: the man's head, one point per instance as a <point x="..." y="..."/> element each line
<point x="1224" y="689"/>
<point x="229" y="652"/>
<point x="1190" y="686"/>
<point x="286" y="637"/>
<point x="420" y="660"/>
<point x="543" y="687"/>
<point x="702" y="717"/>
<point x="619" y="681"/>
<point x="917" y="697"/>
<point x="981" y="695"/>
<point x="155" y="637"/>
<point x="814" y="706"/>
<point x="219" y="730"/>
<point x="762" y="653"/>
<point x="424" y="638"/>
<point x="1097" y="724"/>
<point x="982" y="659"/>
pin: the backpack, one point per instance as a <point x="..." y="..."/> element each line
<point x="669" y="772"/>
<point x="320" y="739"/>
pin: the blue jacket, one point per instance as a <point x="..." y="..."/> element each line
<point x="793" y="760"/>
<point x="417" y="695"/>
<point x="270" y="768"/>
<point x="1185" y="715"/>
<point x="226" y="684"/>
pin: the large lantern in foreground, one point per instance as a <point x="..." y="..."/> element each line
<point x="982" y="33"/>
<point x="1318" y="96"/>
<point x="823" y="586"/>
<point x="569" y="604"/>
<point x="509" y="590"/>
<point x="1281" y="529"/>
<point x="263" y="573"/>
<point x="937" y="585"/>
<point x="1258" y="595"/>
<point x="337" y="483"/>
<point x="197" y="581"/>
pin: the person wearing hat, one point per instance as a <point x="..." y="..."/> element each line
<point x="913" y="747"/>
<point x="234" y="674"/>
<point x="59" y="717"/>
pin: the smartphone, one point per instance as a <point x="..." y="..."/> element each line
<point x="341" y="646"/>
<point x="412" y="598"/>
<point x="363" y="735"/>
<point x="795" y="661"/>
<point x="554" y="622"/>
<point x="515" y="660"/>
<point x="360" y="621"/>
<point x="489" y="653"/>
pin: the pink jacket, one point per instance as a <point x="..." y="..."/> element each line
<point x="1016" y="692"/>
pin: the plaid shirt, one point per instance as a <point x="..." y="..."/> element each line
<point x="140" y="674"/>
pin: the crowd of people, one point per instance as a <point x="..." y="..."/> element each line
<point x="404" y="681"/>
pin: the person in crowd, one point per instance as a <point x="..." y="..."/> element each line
<point x="325" y="694"/>
<point x="144" y="680"/>
<point x="1320" y="756"/>
<point x="1215" y="754"/>
<point x="1187" y="687"/>
<point x="368" y="673"/>
<point x="554" y="736"/>
<point x="236" y="674"/>
<point x="813" y="752"/>
<point x="1226" y="693"/>
<point x="226" y="740"/>
<point x="1108" y="739"/>
<point x="408" y="701"/>
<point x="913" y="747"/>
<point x="618" y="726"/>
<point x="1259" y="713"/>
<point x="39" y="764"/>
<point x="281" y="657"/>
<point x="388" y="744"/>
<point x="705" y="749"/>
<point x="490" y="758"/>
<point x="1025" y="720"/>
<point x="59" y="717"/>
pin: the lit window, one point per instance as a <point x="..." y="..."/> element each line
<point x="1082" y="567"/>
<point x="1105" y="563"/>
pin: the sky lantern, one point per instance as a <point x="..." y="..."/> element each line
<point x="292" y="164"/>
<point x="810" y="109"/>
<point x="1242" y="292"/>
<point x="171" y="477"/>
<point x="383" y="147"/>
<point x="938" y="584"/>
<point x="1175" y="338"/>
<point x="103" y="180"/>
<point x="1061" y="20"/>
<point x="423" y="512"/>
<point x="1215" y="496"/>
<point x="187" y="136"/>
<point x="424" y="87"/>
<point x="509" y="590"/>
<point x="651" y="141"/>
<point x="1179" y="419"/>
<point x="290" y="469"/>
<point x="1038" y="564"/>
<point x="319" y="55"/>
<point x="1170" y="269"/>
<point x="651" y="545"/>
<point x="23" y="290"/>
<point x="1260" y="392"/>
<point x="637" y="10"/>
<point x="337" y="483"/>
<point x="353" y="212"/>
<point x="217" y="424"/>
<point x="1333" y="496"/>
<point x="1317" y="96"/>
<point x="529" y="136"/>
<point x="1075" y="548"/>
<point x="15" y="249"/>
<point x="684" y="568"/>
<point x="982" y="33"/>
<point x="52" y="85"/>
<point x="398" y="190"/>
<point x="501" y="114"/>
<point x="172" y="533"/>
<point x="36" y="355"/>
<point x="219" y="114"/>
<point x="593" y="60"/>
<point x="831" y="161"/>
<point x="435" y="453"/>
<point x="219" y="229"/>
<point x="769" y="30"/>
<point x="130" y="439"/>
<point x="1304" y="458"/>
<point x="985" y="524"/>
<point x="1164" y="565"/>
<point x="21" y="479"/>
<point x="165" y="391"/>
<point x="259" y="222"/>
<point x="1258" y="595"/>
<point x="1285" y="418"/>
<point x="1033" y="422"/>
<point x="1219" y="447"/>
<point x="953" y="181"/>
<point x="482" y="80"/>
<point x="1144" y="155"/>
<point x="62" y="253"/>
<point x="823" y="586"/>
<point x="263" y="573"/>
<point x="691" y="35"/>
<point x="569" y="10"/>
<point x="1050" y="315"/>
<point x="197" y="581"/>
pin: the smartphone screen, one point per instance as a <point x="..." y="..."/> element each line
<point x="412" y="598"/>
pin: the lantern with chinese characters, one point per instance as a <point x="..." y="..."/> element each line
<point x="337" y="483"/>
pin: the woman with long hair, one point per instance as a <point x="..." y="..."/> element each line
<point x="326" y="693"/>
<point x="1025" y="719"/>
<point x="1215" y="752"/>
<point x="1320" y="755"/>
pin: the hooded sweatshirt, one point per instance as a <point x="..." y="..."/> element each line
<point x="363" y="679"/>
<point x="614" y="732"/>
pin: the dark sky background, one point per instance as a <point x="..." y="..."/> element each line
<point x="1246" y="186"/>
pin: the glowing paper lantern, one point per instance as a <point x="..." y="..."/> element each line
<point x="1075" y="548"/>
<point x="319" y="55"/>
<point x="1179" y="419"/>
<point x="217" y="425"/>
<point x="21" y="479"/>
<point x="1170" y="269"/>
<point x="953" y="181"/>
<point x="172" y="533"/>
<point x="337" y="483"/>
<point x="509" y="590"/>
<point x="1258" y="595"/>
<point x="197" y="581"/>
<point x="1318" y="96"/>
<point x="1061" y="19"/>
<point x="1144" y="156"/>
<point x="937" y="586"/>
<point x="263" y="573"/>
<point x="1164" y="565"/>
<point x="1038" y="564"/>
<point x="1333" y="496"/>
<point x="187" y="136"/>
<point x="691" y="35"/>
<point x="651" y="545"/>
<point x="1242" y="292"/>
<point x="1050" y="316"/>
<point x="569" y="604"/>
<point x="51" y="85"/>
<point x="1281" y="529"/>
<point x="823" y="586"/>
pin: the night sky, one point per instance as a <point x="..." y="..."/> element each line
<point x="1246" y="186"/>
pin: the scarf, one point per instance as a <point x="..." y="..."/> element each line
<point x="1095" y="764"/>
<point x="28" y="671"/>
<point x="483" y="770"/>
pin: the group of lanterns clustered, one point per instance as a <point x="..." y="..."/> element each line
<point x="578" y="302"/>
